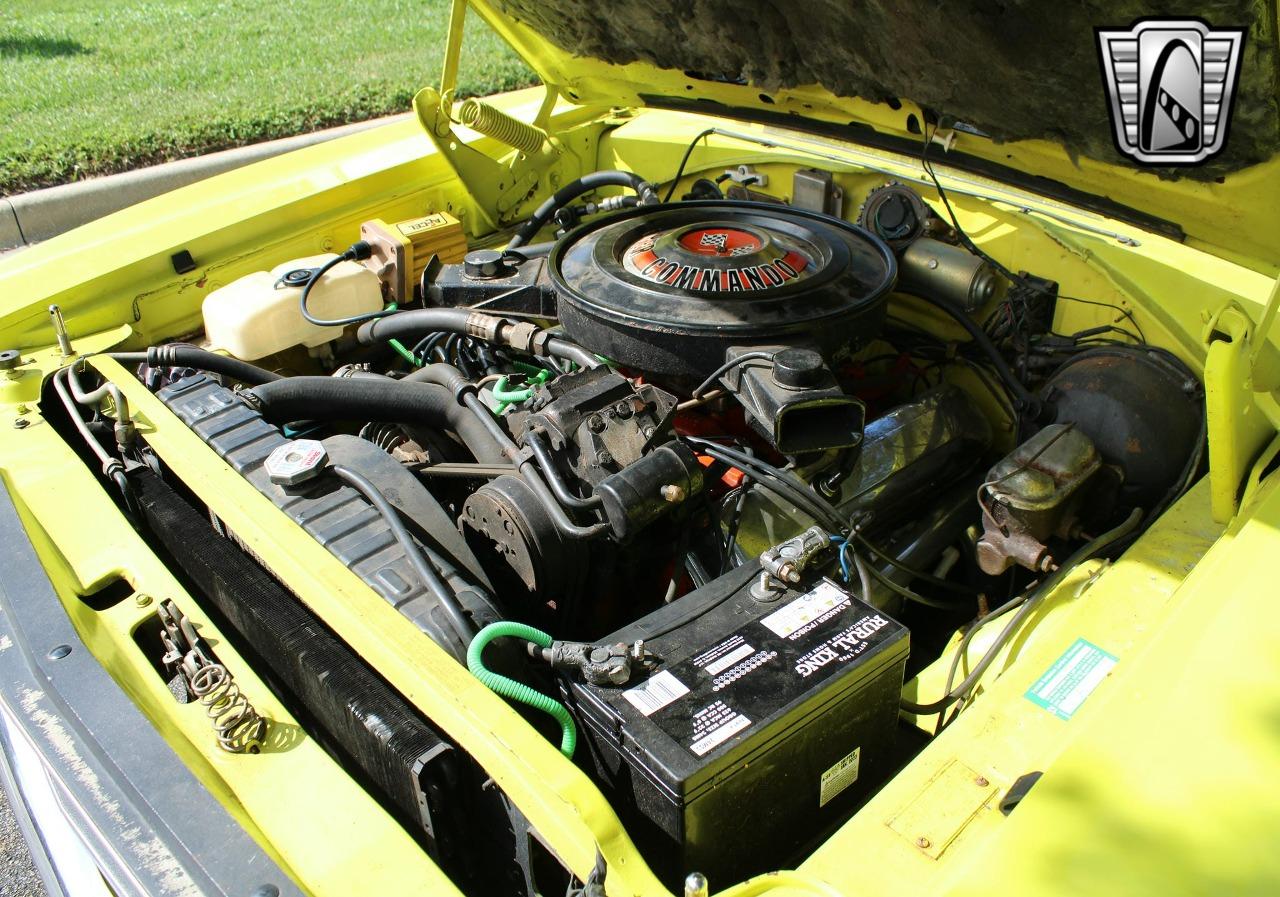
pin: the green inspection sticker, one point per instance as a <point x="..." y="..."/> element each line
<point x="1071" y="679"/>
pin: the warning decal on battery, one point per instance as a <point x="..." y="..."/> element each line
<point x="807" y="611"/>
<point x="748" y="677"/>
<point x="839" y="777"/>
<point x="715" y="724"/>
<point x="724" y="655"/>
<point x="656" y="692"/>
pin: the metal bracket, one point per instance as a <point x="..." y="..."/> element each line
<point x="498" y="186"/>
<point x="1240" y="400"/>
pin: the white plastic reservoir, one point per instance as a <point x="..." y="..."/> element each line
<point x="251" y="318"/>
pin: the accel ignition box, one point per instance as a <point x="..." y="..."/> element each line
<point x="763" y="724"/>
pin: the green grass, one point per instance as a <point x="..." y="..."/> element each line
<point x="90" y="87"/>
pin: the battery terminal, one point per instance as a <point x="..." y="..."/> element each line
<point x="782" y="565"/>
<point x="601" y="665"/>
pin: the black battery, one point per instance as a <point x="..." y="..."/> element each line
<point x="763" y="724"/>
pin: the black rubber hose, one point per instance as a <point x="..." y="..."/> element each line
<point x="442" y="374"/>
<point x="534" y="440"/>
<point x="1023" y="399"/>
<point x="408" y="325"/>
<point x="535" y="250"/>
<point x="780" y="482"/>
<point x="464" y="391"/>
<point x="431" y="578"/>
<point x="572" y="190"/>
<point x="363" y="399"/>
<point x="174" y="356"/>
<point x="451" y="378"/>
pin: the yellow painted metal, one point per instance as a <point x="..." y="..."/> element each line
<point x="117" y="272"/>
<point x="932" y="819"/>
<point x="1168" y="788"/>
<point x="499" y="184"/>
<point x="1002" y="735"/>
<point x="1240" y="386"/>
<point x="305" y="810"/>
<point x="118" y="269"/>
<point x="452" y="54"/>
<point x="999" y="737"/>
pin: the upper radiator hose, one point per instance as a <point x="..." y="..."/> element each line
<point x="330" y="398"/>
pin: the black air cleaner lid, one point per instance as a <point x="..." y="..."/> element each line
<point x="665" y="289"/>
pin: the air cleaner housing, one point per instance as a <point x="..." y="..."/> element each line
<point x="665" y="290"/>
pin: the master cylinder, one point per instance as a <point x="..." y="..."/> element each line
<point x="1040" y="492"/>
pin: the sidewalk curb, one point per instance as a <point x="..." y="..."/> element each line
<point x="31" y="217"/>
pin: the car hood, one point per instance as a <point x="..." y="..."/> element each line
<point x="1022" y="90"/>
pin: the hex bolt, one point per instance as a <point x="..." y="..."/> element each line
<point x="673" y="493"/>
<point x="595" y="423"/>
<point x="21" y="423"/>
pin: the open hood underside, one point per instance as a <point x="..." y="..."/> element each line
<point x="1008" y="68"/>
<point x="1027" y="79"/>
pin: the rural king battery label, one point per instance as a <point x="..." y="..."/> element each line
<point x="714" y="259"/>
<point x="743" y="681"/>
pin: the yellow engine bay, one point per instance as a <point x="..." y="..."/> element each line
<point x="1120" y="739"/>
